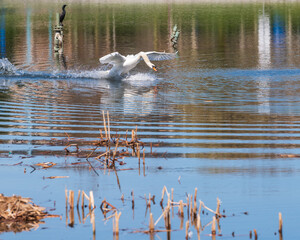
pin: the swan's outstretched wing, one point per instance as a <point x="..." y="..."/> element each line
<point x="112" y="58"/>
<point x="160" y="56"/>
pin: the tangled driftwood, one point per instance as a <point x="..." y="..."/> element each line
<point x="20" y="214"/>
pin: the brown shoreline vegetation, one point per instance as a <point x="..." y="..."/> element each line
<point x="19" y="214"/>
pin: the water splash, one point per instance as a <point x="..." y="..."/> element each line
<point x="138" y="79"/>
<point x="141" y="79"/>
<point x="6" y="66"/>
<point x="91" y="74"/>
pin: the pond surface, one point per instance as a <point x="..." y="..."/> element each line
<point x="222" y="117"/>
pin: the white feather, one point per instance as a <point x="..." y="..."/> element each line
<point x="122" y="65"/>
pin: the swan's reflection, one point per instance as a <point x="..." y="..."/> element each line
<point x="264" y="62"/>
<point x="133" y="95"/>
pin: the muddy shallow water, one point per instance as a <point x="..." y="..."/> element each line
<point x="223" y="117"/>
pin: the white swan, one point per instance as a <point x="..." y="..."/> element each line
<point x="122" y="64"/>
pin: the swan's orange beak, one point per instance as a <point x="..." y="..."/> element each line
<point x="154" y="68"/>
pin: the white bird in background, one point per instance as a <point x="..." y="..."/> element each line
<point x="122" y="65"/>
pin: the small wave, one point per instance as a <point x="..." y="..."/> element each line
<point x="6" y="66"/>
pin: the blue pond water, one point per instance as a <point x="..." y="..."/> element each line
<point x="223" y="117"/>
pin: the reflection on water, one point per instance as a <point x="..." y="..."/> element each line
<point x="28" y="38"/>
<point x="2" y="34"/>
<point x="222" y="117"/>
<point x="264" y="48"/>
<point x="107" y="28"/>
<point x="264" y="41"/>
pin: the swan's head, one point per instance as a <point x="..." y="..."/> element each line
<point x="147" y="61"/>
<point x="154" y="67"/>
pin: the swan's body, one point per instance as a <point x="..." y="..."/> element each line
<point x="122" y="65"/>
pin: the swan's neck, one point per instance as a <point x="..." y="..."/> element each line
<point x="146" y="59"/>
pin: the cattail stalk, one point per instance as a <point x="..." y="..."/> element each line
<point x="149" y="201"/>
<point x="195" y="196"/>
<point x="213" y="226"/>
<point x="92" y="218"/>
<point x="255" y="234"/>
<point x="162" y="195"/>
<point x="91" y="201"/>
<point x="78" y="198"/>
<point x="181" y="208"/>
<point x="188" y="205"/>
<point x="71" y="203"/>
<point x="108" y="124"/>
<point x="104" y="123"/>
<point x="195" y="204"/>
<point x="132" y="194"/>
<point x="200" y="205"/>
<point x="116" y="223"/>
<point x="198" y="225"/>
<point x="187" y="224"/>
<point x="82" y="199"/>
<point x="168" y="218"/>
<point x="169" y="200"/>
<point x="218" y="207"/>
<point x="115" y="152"/>
<point x="280" y="223"/>
<point x="191" y="208"/>
<point x="151" y="223"/>
<point x="132" y="135"/>
<point x="66" y="194"/>
<point x="71" y="198"/>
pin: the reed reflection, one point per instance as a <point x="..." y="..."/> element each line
<point x="50" y="30"/>
<point x="87" y="41"/>
<point x="2" y="34"/>
<point x="279" y="39"/>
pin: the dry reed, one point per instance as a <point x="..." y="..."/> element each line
<point x="192" y="219"/>
<point x="187" y="225"/>
<point x="280" y="223"/>
<point x="151" y="223"/>
<point x="213" y="226"/>
<point x="255" y="234"/>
